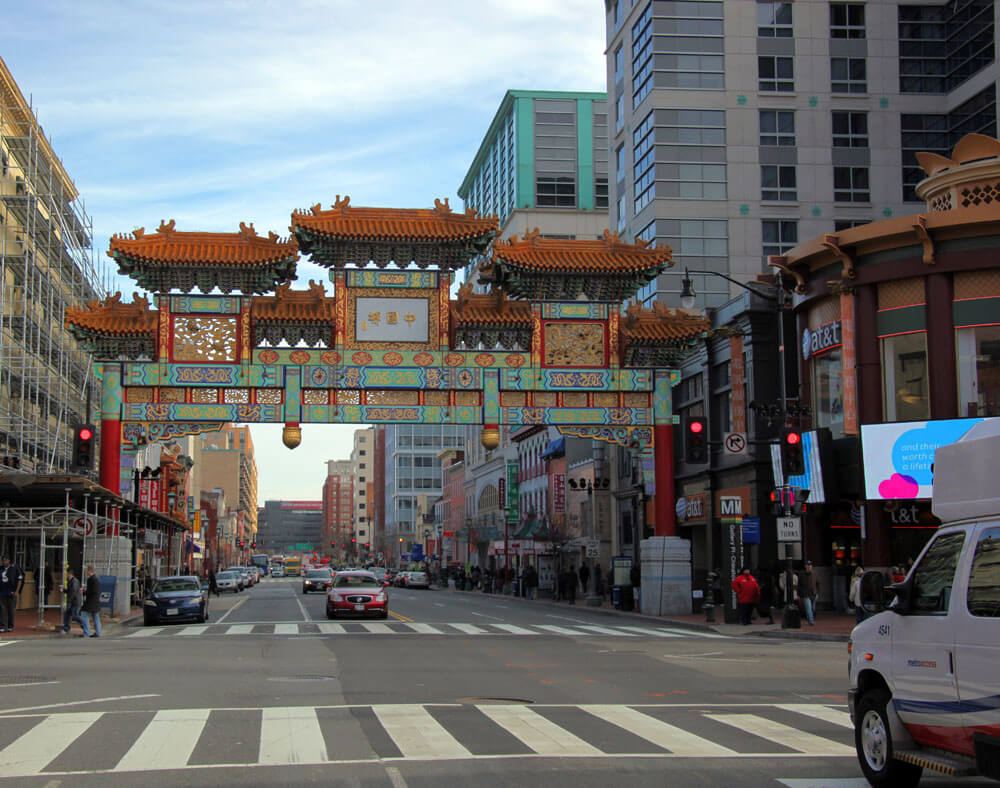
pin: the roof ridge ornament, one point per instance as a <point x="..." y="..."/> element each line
<point x="248" y="231"/>
<point x="442" y="208"/>
<point x="531" y="236"/>
<point x="166" y="228"/>
<point x="340" y="204"/>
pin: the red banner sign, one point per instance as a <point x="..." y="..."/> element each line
<point x="848" y="361"/>
<point x="737" y="377"/>
<point x="559" y="493"/>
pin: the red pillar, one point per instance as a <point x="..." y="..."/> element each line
<point x="665" y="523"/>
<point x="111" y="451"/>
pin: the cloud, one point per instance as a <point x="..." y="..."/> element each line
<point x="898" y="486"/>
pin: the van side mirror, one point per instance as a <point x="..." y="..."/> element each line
<point x="872" y="592"/>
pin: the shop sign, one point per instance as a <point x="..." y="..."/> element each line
<point x="820" y="339"/>
<point x="751" y="530"/>
<point x="737" y="381"/>
<point x="691" y="507"/>
<point x="848" y="360"/>
<point x="559" y="493"/>
<point x="513" y="496"/>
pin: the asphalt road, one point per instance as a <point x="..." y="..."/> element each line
<point x="465" y="689"/>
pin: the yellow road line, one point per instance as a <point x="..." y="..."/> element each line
<point x="399" y="617"/>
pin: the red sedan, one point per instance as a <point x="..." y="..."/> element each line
<point x="357" y="593"/>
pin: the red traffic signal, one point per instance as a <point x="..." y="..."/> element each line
<point x="696" y="439"/>
<point x="83" y="446"/>
<point x="792" y="459"/>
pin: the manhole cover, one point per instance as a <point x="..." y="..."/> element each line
<point x="5" y="680"/>
<point x="300" y="678"/>
<point x="514" y="701"/>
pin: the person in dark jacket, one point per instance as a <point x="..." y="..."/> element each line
<point x="74" y="599"/>
<point x="213" y="584"/>
<point x="584" y="577"/>
<point x="571" y="585"/>
<point x="91" y="605"/>
<point x="11" y="582"/>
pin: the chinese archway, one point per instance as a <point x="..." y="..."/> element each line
<point x="548" y="342"/>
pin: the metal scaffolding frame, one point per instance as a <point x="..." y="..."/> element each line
<point x="46" y="264"/>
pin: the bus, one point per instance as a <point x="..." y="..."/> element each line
<point x="293" y="566"/>
<point x="260" y="561"/>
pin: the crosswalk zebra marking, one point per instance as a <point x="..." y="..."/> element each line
<point x="167" y="741"/>
<point x="379" y="629"/>
<point x="36" y="748"/>
<point x="418" y="735"/>
<point x="199" y="630"/>
<point x="326" y="628"/>
<point x="286" y="629"/>
<point x="604" y="630"/>
<point x="291" y="735"/>
<point x="515" y="630"/>
<point x="784" y="735"/>
<point x="540" y="734"/>
<point x="240" y="629"/>
<point x="146" y="632"/>
<point x="676" y="740"/>
<point x="470" y="629"/>
<point x="825" y="713"/>
<point x="660" y="633"/>
<point x="557" y="630"/>
<point x="424" y="629"/>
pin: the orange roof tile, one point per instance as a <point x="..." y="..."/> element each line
<point x="167" y="245"/>
<point x="358" y="223"/>
<point x="661" y="324"/>
<point x="294" y="306"/>
<point x="112" y="317"/>
<point x="491" y="308"/>
<point x="608" y="255"/>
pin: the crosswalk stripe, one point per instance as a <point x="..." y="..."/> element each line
<point x="379" y="629"/>
<point x="661" y="633"/>
<point x="514" y="630"/>
<point x="240" y="629"/>
<point x="557" y="630"/>
<point x="146" y="632"/>
<point x="167" y="742"/>
<point x="669" y="737"/>
<point x="199" y="630"/>
<point x="606" y="631"/>
<point x="327" y="628"/>
<point x="286" y="629"/>
<point x="783" y="734"/>
<point x="696" y="633"/>
<point x="417" y="734"/>
<point x="291" y="735"/>
<point x="424" y="629"/>
<point x="469" y="629"/>
<point x="820" y="712"/>
<point x="540" y="734"/>
<point x="33" y="750"/>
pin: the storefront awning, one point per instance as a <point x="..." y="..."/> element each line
<point x="556" y="448"/>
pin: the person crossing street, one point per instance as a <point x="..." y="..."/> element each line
<point x="747" y="593"/>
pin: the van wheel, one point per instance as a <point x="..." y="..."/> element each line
<point x="873" y="741"/>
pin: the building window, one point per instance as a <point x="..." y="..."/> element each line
<point x="850" y="129"/>
<point x="620" y="113"/>
<point x="774" y="20"/>
<point x="777" y="183"/>
<point x="777" y="127"/>
<point x="906" y="387"/>
<point x="618" y="14"/>
<point x="847" y="20"/>
<point x="644" y="169"/>
<point x="620" y="162"/>
<point x="647" y="233"/>
<point x="850" y="184"/>
<point x="847" y="224"/>
<point x="942" y="45"/>
<point x="775" y="74"/>
<point x="778" y="236"/>
<point x="690" y="156"/>
<point x="828" y="391"/>
<point x="689" y="47"/>
<point x="600" y="192"/>
<point x="555" y="192"/>
<point x="619" y="64"/>
<point x="848" y="75"/>
<point x="622" y="217"/>
<point x="978" y="357"/>
<point x="642" y="56"/>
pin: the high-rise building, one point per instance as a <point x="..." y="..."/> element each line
<point x="46" y="265"/>
<point x="338" y="508"/>
<point x="225" y="460"/>
<point x="543" y="163"/>
<point x="291" y="527"/>
<point x="362" y="469"/>
<point x="738" y="128"/>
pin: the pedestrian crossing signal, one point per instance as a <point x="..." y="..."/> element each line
<point x="83" y="446"/>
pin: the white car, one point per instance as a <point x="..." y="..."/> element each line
<point x="277" y="572"/>
<point x="227" y="581"/>
<point x="417" y="580"/>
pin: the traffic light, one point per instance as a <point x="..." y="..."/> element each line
<point x="83" y="446"/>
<point x="333" y="544"/>
<point x="792" y="460"/>
<point x="696" y="439"/>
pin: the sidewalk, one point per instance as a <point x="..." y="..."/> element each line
<point x="26" y="624"/>
<point x="830" y="625"/>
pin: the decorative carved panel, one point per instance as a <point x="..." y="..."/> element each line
<point x="172" y="395"/>
<point x="344" y="397"/>
<point x="204" y="395"/>
<point x="268" y="396"/>
<point x="469" y="399"/>
<point x="315" y="396"/>
<point x="605" y="399"/>
<point x="575" y="399"/>
<point x="391" y="398"/>
<point x="138" y="394"/>
<point x="543" y="399"/>
<point x="637" y="400"/>
<point x="236" y="396"/>
<point x="205" y="339"/>
<point x="574" y="344"/>
<point x="436" y="398"/>
<point x="513" y="399"/>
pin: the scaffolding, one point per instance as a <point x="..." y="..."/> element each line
<point x="46" y="265"/>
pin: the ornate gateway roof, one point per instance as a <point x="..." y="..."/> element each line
<point x="294" y="315"/>
<point x="659" y="336"/>
<point x="607" y="269"/>
<point x="111" y="329"/>
<point x="171" y="260"/>
<point x="355" y="235"/>
<point x="490" y="319"/>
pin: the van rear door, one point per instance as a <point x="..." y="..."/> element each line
<point x="923" y="641"/>
<point x="977" y="643"/>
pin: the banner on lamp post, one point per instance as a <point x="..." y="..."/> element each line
<point x="512" y="504"/>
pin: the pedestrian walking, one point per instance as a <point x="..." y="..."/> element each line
<point x="74" y="600"/>
<point x="747" y="593"/>
<point x="584" y="577"/>
<point x="213" y="585"/>
<point x="571" y="585"/>
<point x="531" y="581"/>
<point x="809" y="592"/>
<point x="11" y="583"/>
<point x="598" y="581"/>
<point x="91" y="605"/>
<point x="854" y="597"/>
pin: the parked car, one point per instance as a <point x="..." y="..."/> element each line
<point x="317" y="580"/>
<point x="175" y="598"/>
<point x="417" y="580"/>
<point x="243" y="574"/>
<point x="357" y="593"/>
<point x="227" y="581"/>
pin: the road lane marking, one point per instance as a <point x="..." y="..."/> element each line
<point x="514" y="630"/>
<point x="28" y="684"/>
<point x="655" y="632"/>
<point x="820" y="712"/>
<point x="34" y="750"/>
<point x="167" y="741"/>
<point x="605" y="630"/>
<point x="417" y="734"/>
<point x="558" y="630"/>
<point x="784" y="735"/>
<point x="8" y="642"/>
<point x="677" y="740"/>
<point x="425" y="629"/>
<point x="399" y="617"/>
<point x="75" y="703"/>
<point x="305" y="615"/>
<point x="234" y="607"/>
<point x="483" y="615"/>
<point x="240" y="629"/>
<point x="379" y="629"/>
<point x="540" y="734"/>
<point x="286" y="629"/>
<point x="469" y="629"/>
<point x="291" y="735"/>
<point x="198" y="630"/>
<point x="328" y="628"/>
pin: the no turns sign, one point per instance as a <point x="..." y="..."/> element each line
<point x="735" y="442"/>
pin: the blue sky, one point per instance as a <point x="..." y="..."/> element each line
<point x="213" y="112"/>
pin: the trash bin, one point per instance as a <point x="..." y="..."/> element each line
<point x="616" y="597"/>
<point x="626" y="598"/>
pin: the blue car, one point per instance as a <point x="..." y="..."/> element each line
<point x="175" y="599"/>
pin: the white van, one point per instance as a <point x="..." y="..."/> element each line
<point x="925" y="667"/>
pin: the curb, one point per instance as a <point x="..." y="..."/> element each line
<point x="828" y="637"/>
